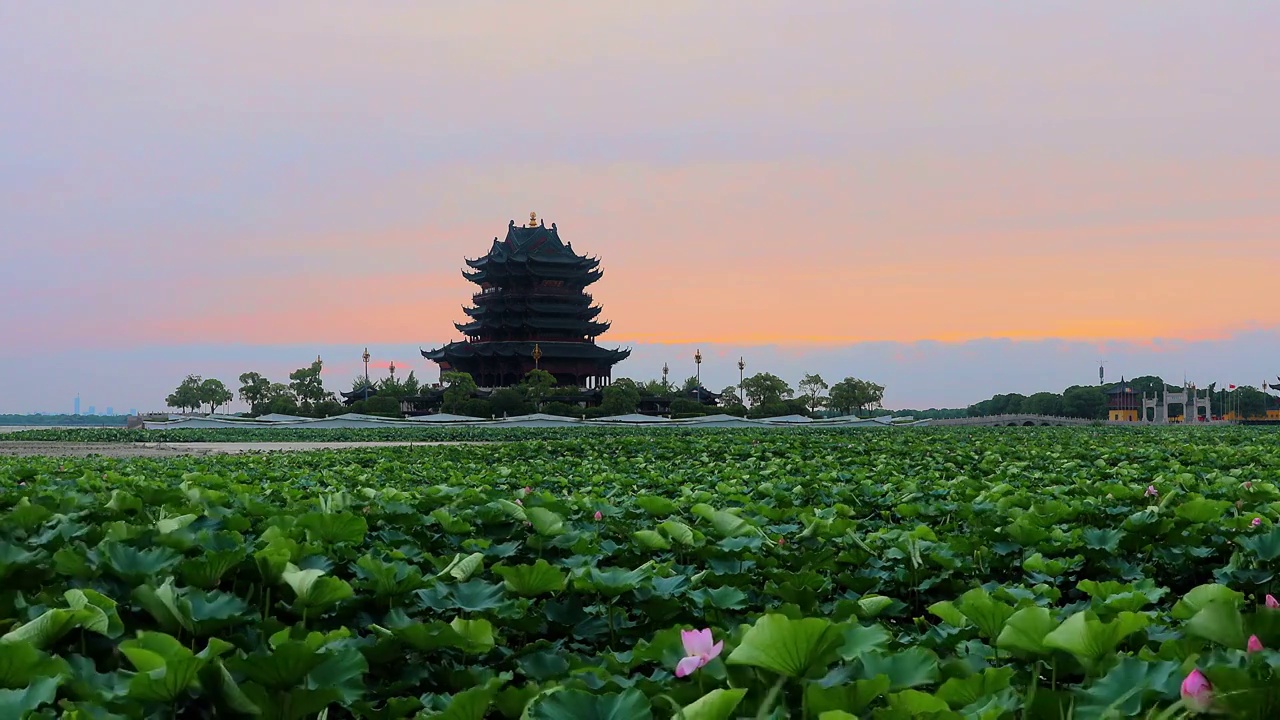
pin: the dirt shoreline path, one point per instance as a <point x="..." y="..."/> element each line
<point x="161" y="450"/>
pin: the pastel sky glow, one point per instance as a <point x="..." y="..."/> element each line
<point x="905" y="189"/>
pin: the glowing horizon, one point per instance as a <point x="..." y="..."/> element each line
<point x="818" y="176"/>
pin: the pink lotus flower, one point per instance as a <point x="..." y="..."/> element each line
<point x="528" y="490"/>
<point x="519" y="501"/>
<point x="1257" y="521"/>
<point x="1152" y="491"/>
<point x="1255" y="645"/>
<point x="782" y="541"/>
<point x="599" y="515"/>
<point x="698" y="649"/>
<point x="1272" y="602"/>
<point x="1248" y="485"/>
<point x="1197" y="693"/>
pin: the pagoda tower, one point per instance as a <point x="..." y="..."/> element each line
<point x="531" y="310"/>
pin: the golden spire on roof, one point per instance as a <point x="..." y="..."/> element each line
<point x="533" y="219"/>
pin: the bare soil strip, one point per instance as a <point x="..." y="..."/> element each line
<point x="162" y="450"/>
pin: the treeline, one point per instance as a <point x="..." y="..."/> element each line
<point x="761" y="395"/>
<point x="1090" y="401"/>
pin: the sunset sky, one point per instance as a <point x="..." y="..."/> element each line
<point x="951" y="198"/>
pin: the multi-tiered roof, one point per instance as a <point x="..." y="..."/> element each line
<point x="531" y="310"/>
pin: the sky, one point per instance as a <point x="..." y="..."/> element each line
<point x="951" y="198"/>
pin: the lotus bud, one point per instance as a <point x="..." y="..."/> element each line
<point x="1197" y="693"/>
<point x="1152" y="491"/>
<point x="1272" y="602"/>
<point x="1257" y="521"/>
<point x="1255" y="645"/>
<point x="599" y="515"/>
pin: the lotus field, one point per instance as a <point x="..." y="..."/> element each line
<point x="1012" y="573"/>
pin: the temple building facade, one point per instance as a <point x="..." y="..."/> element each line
<point x="1123" y="404"/>
<point x="531" y="310"/>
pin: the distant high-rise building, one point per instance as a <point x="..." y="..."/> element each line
<point x="133" y="411"/>
<point x="93" y="410"/>
<point x="77" y="411"/>
<point x="111" y="410"/>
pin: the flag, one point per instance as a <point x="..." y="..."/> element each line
<point x="1231" y="387"/>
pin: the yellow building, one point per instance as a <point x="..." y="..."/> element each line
<point x="1123" y="403"/>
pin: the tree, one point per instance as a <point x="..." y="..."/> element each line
<point x="1084" y="401"/>
<point x="690" y="384"/>
<point x="279" y="399"/>
<point x="214" y="394"/>
<point x="411" y="386"/>
<point x="853" y="394"/>
<point x="764" y="388"/>
<point x="620" y="397"/>
<point x="187" y="395"/>
<point x="536" y="386"/>
<point x="811" y="387"/>
<point x="459" y="387"/>
<point x="507" y="402"/>
<point x="253" y="390"/>
<point x="1043" y="403"/>
<point x="655" y="388"/>
<point x="731" y="395"/>
<point x="308" y="386"/>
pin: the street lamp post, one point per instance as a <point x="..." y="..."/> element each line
<point x="365" y="357"/>
<point x="537" y="355"/>
<point x="742" y="365"/>
<point x="697" y="363"/>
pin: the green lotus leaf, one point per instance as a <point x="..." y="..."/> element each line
<point x="532" y="580"/>
<point x="679" y="533"/>
<point x="1025" y="631"/>
<point x="334" y="528"/>
<point x="580" y="705"/>
<point x="471" y="596"/>
<point x="795" y="648"/>
<point x="21" y="663"/>
<point x="1202" y="596"/>
<point x="1089" y="639"/>
<point x="14" y="559"/>
<point x="656" y="506"/>
<point x="174" y="524"/>
<point x="342" y="670"/>
<point x="1129" y="687"/>
<point x="854" y="696"/>
<point x="987" y="614"/>
<point x="860" y="639"/>
<point x="917" y="704"/>
<point x="908" y="668"/>
<point x="17" y="703"/>
<point x="960" y="692"/>
<point x="545" y="522"/>
<point x="388" y="579"/>
<point x="313" y="590"/>
<point x="99" y="609"/>
<point x="718" y="704"/>
<point x="470" y="704"/>
<point x="279" y="668"/>
<point x="461" y="568"/>
<point x="650" y="540"/>
<point x="870" y="606"/>
<point x="133" y="565"/>
<point x="1201" y="510"/>
<point x="1219" y="622"/>
<point x="1266" y="546"/>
